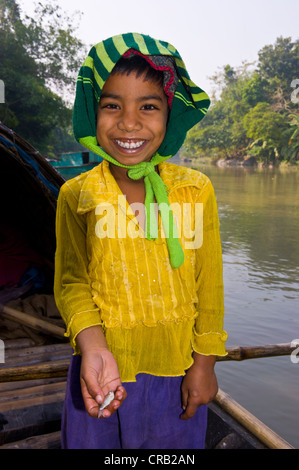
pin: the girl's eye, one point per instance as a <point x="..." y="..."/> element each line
<point x="110" y="106"/>
<point x="149" y="107"/>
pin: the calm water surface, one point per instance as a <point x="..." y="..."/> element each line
<point x="259" y="223"/>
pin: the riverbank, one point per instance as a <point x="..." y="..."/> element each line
<point x="246" y="162"/>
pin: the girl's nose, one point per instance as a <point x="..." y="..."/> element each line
<point x="129" y="122"/>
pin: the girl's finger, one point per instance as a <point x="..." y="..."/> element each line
<point x="119" y="397"/>
<point x="90" y="403"/>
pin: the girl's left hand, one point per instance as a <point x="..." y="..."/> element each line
<point x="199" y="385"/>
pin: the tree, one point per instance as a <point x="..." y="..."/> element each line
<point x="252" y="111"/>
<point x="212" y="135"/>
<point x="280" y="61"/>
<point x="267" y="129"/>
<point x="30" y="108"/>
<point x="32" y="74"/>
<point x="290" y="150"/>
<point x="256" y="90"/>
<point x="50" y="39"/>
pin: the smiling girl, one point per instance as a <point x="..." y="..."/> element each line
<point x="144" y="315"/>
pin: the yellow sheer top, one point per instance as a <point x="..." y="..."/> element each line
<point x="107" y="273"/>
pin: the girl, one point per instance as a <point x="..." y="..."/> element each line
<point x="141" y="296"/>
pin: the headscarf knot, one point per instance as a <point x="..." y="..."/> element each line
<point x="144" y="169"/>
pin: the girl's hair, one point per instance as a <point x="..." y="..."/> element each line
<point x="140" y="66"/>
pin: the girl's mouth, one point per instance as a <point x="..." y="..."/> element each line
<point x="130" y="145"/>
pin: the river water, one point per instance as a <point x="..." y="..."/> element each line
<point x="259" y="224"/>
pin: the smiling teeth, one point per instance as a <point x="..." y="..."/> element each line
<point x="130" y="145"/>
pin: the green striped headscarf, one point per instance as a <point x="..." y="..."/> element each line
<point x="189" y="105"/>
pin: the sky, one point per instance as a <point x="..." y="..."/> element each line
<point x="208" y="34"/>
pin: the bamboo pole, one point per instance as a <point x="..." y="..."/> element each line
<point x="250" y="422"/>
<point x="59" y="368"/>
<point x="240" y="353"/>
<point x="237" y="353"/>
<point x="33" y="322"/>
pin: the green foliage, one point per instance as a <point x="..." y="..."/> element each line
<point x="254" y="114"/>
<point x="255" y="90"/>
<point x="290" y="150"/>
<point x="266" y="128"/>
<point x="50" y="39"/>
<point x="280" y="61"/>
<point x="36" y="70"/>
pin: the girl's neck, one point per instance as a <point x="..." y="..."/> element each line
<point x="119" y="173"/>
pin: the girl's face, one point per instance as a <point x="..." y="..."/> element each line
<point x="131" y="118"/>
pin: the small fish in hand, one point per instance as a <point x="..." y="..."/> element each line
<point x="107" y="400"/>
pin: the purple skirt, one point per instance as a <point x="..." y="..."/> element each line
<point x="149" y="417"/>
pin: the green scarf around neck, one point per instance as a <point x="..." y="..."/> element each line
<point x="188" y="106"/>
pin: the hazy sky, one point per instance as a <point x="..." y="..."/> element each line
<point x="208" y="34"/>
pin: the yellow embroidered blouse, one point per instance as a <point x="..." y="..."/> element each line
<point x="153" y="316"/>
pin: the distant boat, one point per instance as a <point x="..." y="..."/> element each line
<point x="74" y="163"/>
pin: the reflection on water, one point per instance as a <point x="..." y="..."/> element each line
<point x="259" y="223"/>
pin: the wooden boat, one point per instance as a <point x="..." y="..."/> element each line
<point x="29" y="189"/>
<point x="37" y="355"/>
<point x="32" y="388"/>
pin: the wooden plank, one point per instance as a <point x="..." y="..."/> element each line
<point x="57" y="368"/>
<point x="18" y="343"/>
<point x="31" y="350"/>
<point x="250" y="422"/>
<point x="11" y="399"/>
<point x="22" y="384"/>
<point x="33" y="401"/>
<point x="37" y="354"/>
<point x="44" y="441"/>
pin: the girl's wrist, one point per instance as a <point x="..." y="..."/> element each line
<point x="92" y="339"/>
<point x="202" y="361"/>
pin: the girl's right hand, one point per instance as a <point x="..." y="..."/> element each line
<point x="99" y="375"/>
